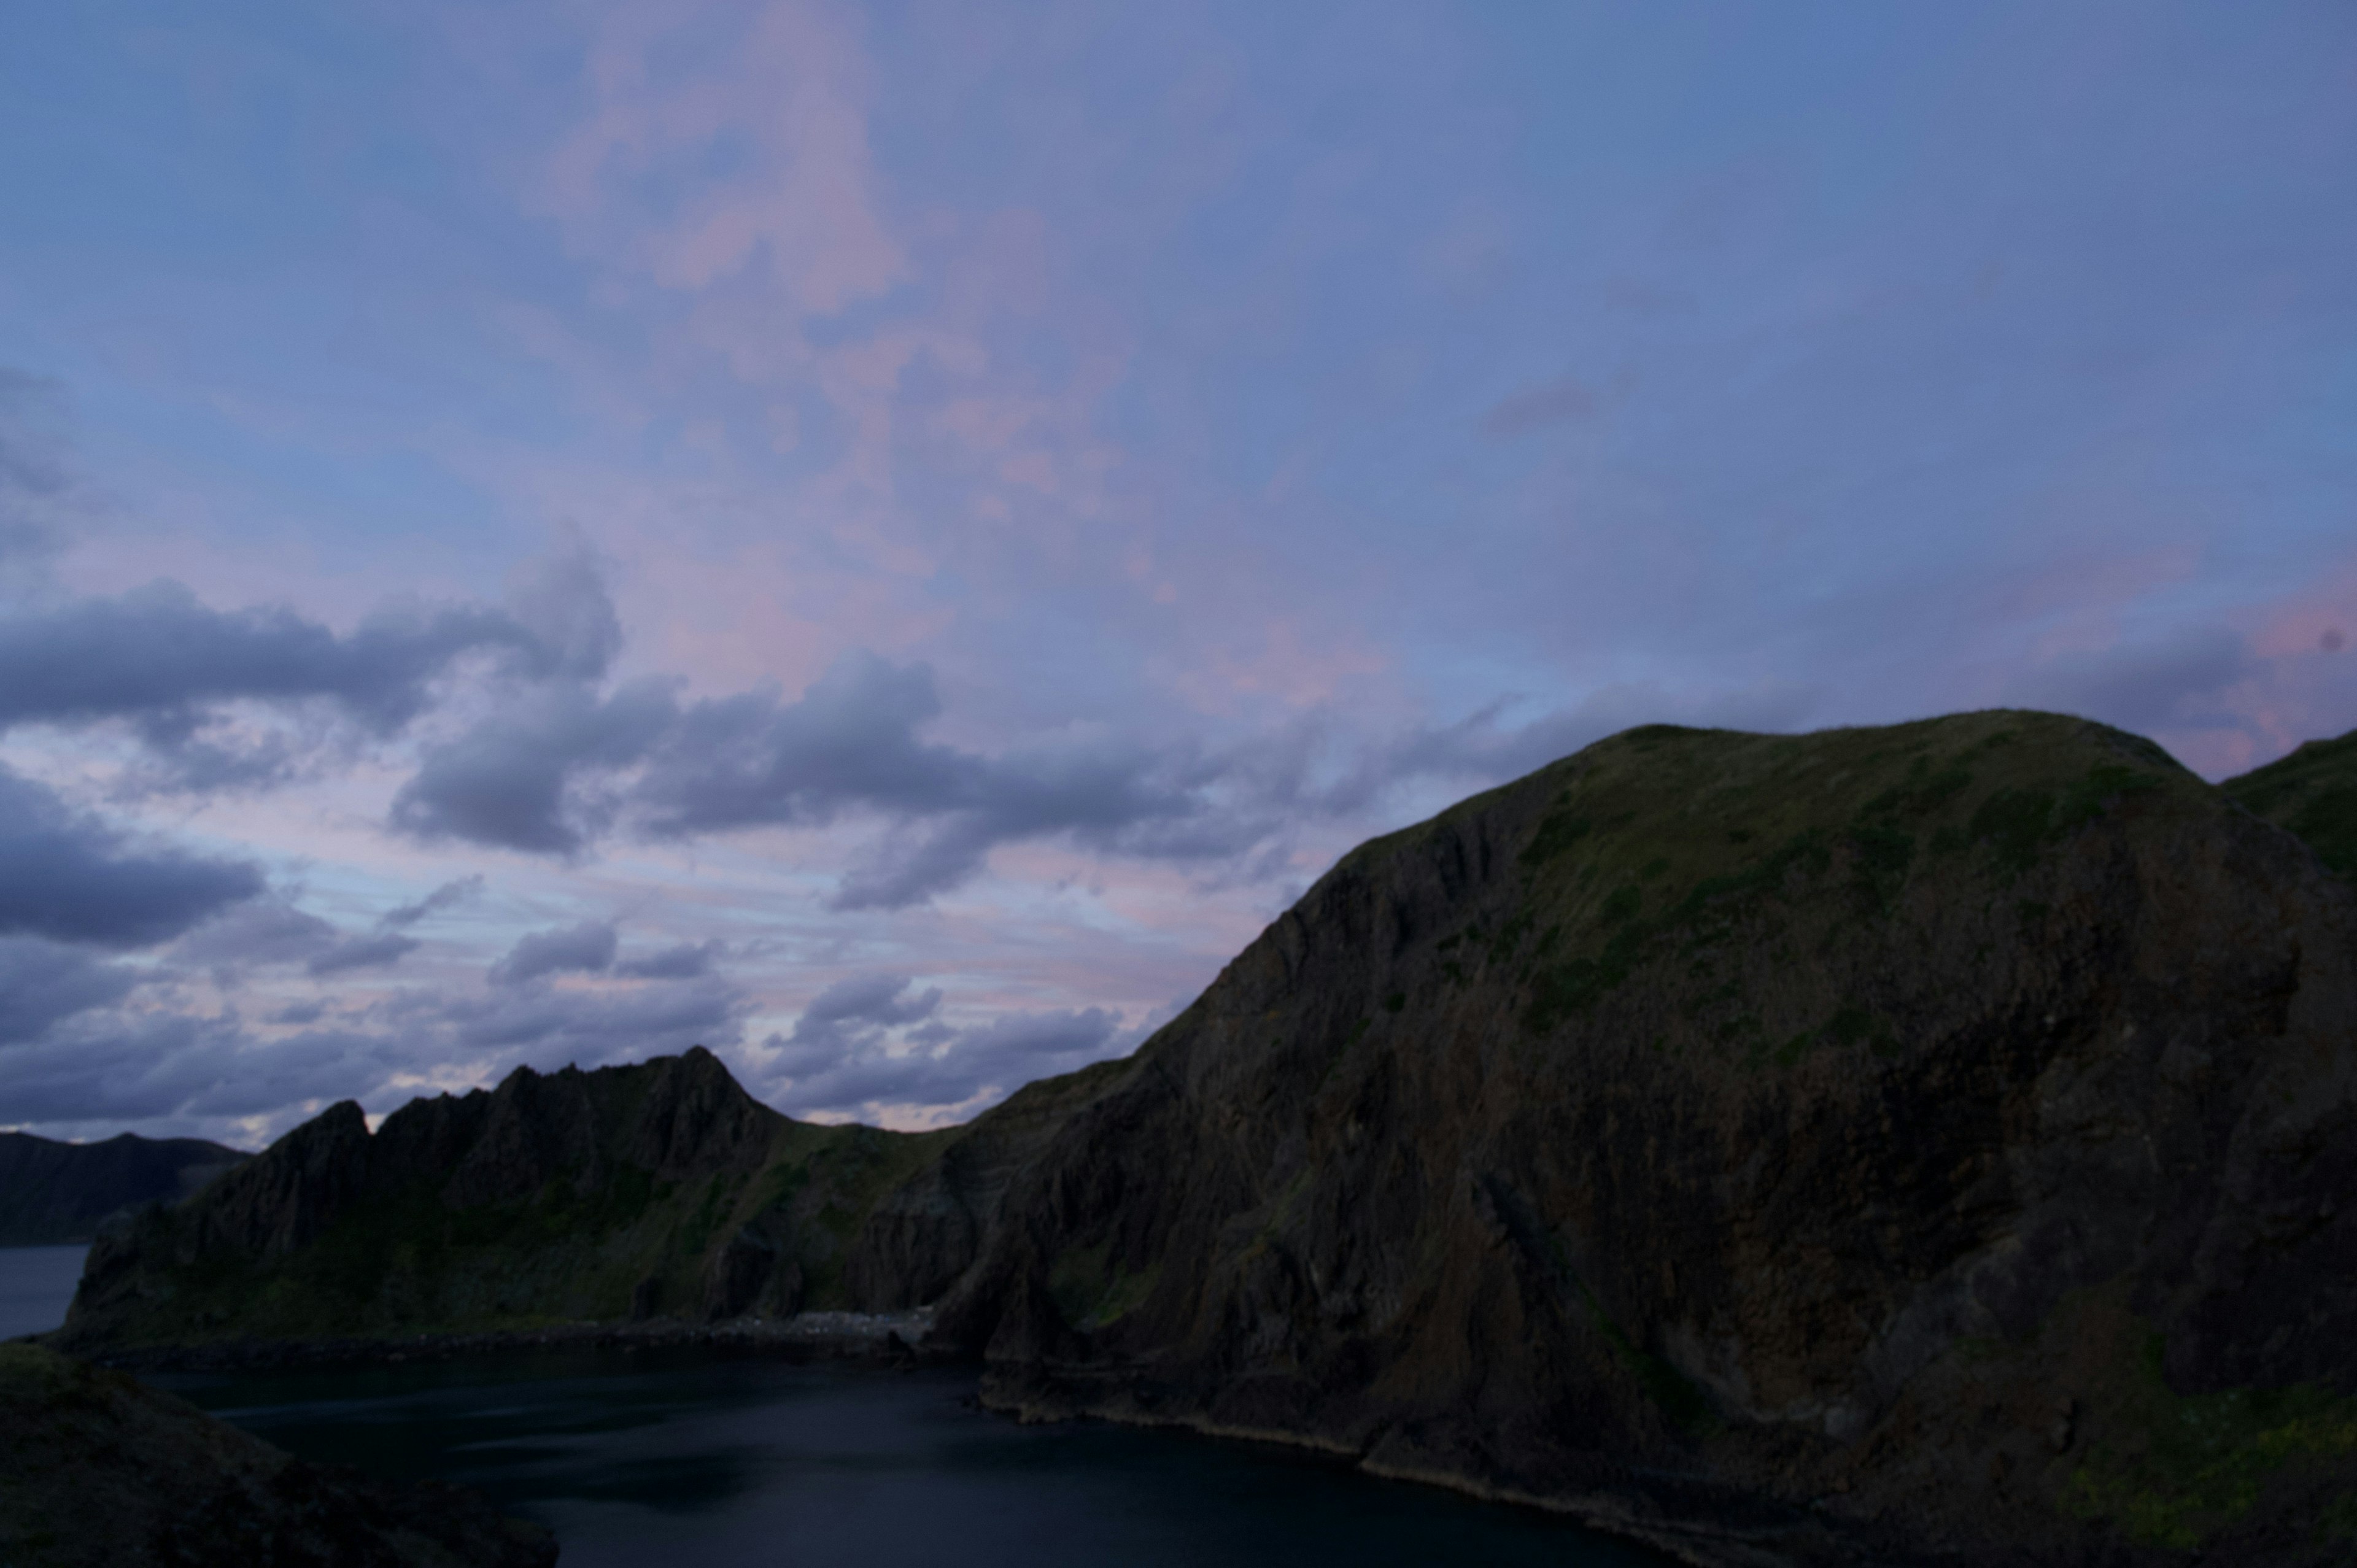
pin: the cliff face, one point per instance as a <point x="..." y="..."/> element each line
<point x="660" y="1188"/>
<point x="52" y="1192"/>
<point x="1940" y="1137"/>
<point x="96" y="1469"/>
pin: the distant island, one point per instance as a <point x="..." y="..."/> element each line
<point x="1931" y="1142"/>
<point x="52" y="1192"/>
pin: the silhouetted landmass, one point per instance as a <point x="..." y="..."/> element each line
<point x="1931" y="1142"/>
<point x="96" y="1469"/>
<point x="53" y="1192"/>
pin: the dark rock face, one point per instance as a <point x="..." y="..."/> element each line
<point x="658" y="1189"/>
<point x="98" y="1471"/>
<point x="52" y="1192"/>
<point x="1903" y="1142"/>
<point x="927" y="1232"/>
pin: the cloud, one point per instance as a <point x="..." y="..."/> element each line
<point x="41" y="983"/>
<point x="688" y="961"/>
<point x="97" y="1066"/>
<point x="238" y="698"/>
<point x="453" y="892"/>
<point x="373" y="952"/>
<point x="841" y="1057"/>
<point x="558" y="768"/>
<point x="158" y="652"/>
<point x="68" y="876"/>
<point x="523" y="779"/>
<point x="585" y="949"/>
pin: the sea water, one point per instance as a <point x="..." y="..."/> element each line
<point x="37" y="1285"/>
<point x="655" y="1457"/>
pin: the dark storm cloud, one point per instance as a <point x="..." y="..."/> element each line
<point x="69" y="875"/>
<point x="585" y="949"/>
<point x="41" y="983"/>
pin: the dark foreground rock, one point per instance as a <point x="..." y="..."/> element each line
<point x="1928" y="1143"/>
<point x="52" y="1192"/>
<point x="99" y="1471"/>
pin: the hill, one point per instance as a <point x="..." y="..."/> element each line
<point x="2313" y="792"/>
<point x="52" y="1192"/>
<point x="1934" y="1141"/>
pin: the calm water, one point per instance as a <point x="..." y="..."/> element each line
<point x="37" y="1285"/>
<point x="650" y="1459"/>
<point x="647" y="1458"/>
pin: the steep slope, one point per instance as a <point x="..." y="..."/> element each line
<point x="2314" y="793"/>
<point x="660" y="1188"/>
<point x="96" y="1469"/>
<point x="52" y="1192"/>
<point x="1939" y="1139"/>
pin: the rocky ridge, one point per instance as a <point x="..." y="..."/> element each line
<point x="660" y="1189"/>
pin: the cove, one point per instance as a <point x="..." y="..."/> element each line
<point x="647" y="1458"/>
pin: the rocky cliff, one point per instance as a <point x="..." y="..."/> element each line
<point x="52" y="1192"/>
<point x="97" y="1471"/>
<point x="656" y="1190"/>
<point x="1889" y="1145"/>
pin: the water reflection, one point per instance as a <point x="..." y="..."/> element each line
<point x="663" y="1457"/>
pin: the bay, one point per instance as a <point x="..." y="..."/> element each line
<point x="643" y="1458"/>
<point x="37" y="1285"/>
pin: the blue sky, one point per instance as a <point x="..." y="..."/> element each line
<point x="890" y="539"/>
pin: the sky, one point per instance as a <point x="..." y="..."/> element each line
<point x="889" y="541"/>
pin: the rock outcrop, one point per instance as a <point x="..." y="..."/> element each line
<point x="52" y="1192"/>
<point x="1914" y="1144"/>
<point x="656" y="1189"/>
<point x="98" y="1471"/>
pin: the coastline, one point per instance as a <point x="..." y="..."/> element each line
<point x="890" y="1339"/>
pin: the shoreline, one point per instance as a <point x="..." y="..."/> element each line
<point x="890" y="1339"/>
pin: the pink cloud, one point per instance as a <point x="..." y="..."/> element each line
<point x="783" y="86"/>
